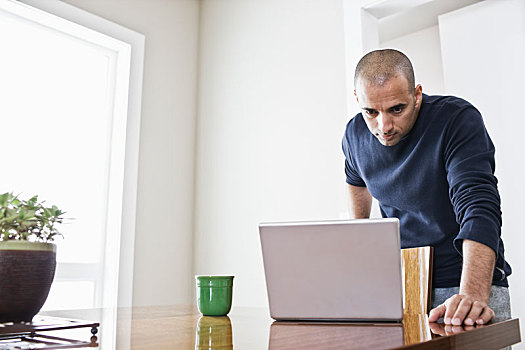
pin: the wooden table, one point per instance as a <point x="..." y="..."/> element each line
<point x="182" y="327"/>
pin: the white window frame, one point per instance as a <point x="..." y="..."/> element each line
<point x="122" y="197"/>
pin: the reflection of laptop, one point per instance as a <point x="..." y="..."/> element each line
<point x="333" y="335"/>
<point x="334" y="270"/>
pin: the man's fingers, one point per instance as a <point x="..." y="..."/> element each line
<point x="485" y="316"/>
<point x="451" y="306"/>
<point x="437" y="313"/>
<point x="462" y="311"/>
<point x="475" y="312"/>
<point x="458" y="310"/>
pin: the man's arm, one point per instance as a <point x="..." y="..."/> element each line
<point x="360" y="202"/>
<point x="470" y="305"/>
<point x="469" y="163"/>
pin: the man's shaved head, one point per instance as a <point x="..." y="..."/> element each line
<point x="379" y="66"/>
<point x="387" y="97"/>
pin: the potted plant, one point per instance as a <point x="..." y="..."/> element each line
<point x="27" y="256"/>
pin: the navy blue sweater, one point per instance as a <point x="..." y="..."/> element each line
<point x="438" y="180"/>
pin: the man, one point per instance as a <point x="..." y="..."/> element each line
<point x="429" y="161"/>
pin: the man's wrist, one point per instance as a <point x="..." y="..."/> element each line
<point x="475" y="295"/>
<point x="478" y="268"/>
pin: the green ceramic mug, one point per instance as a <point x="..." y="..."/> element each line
<point x="214" y="294"/>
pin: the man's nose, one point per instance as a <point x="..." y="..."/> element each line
<point x="384" y="123"/>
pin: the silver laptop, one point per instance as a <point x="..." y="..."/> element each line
<point x="333" y="271"/>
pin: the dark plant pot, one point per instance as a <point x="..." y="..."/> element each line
<point x="27" y="270"/>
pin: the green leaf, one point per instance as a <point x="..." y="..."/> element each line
<point x="4" y="199"/>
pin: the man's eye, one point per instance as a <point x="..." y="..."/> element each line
<point x="397" y="109"/>
<point x="370" y="114"/>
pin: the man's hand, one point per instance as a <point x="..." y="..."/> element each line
<point x="470" y="307"/>
<point x="461" y="309"/>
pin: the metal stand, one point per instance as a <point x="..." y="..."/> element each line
<point x="28" y="335"/>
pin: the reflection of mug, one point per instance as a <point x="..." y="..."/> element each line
<point x="214" y="333"/>
<point x="214" y="295"/>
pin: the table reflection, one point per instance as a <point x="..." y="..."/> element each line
<point x="183" y="327"/>
<point x="441" y="329"/>
<point x="297" y="335"/>
<point x="214" y="333"/>
<point x="416" y="328"/>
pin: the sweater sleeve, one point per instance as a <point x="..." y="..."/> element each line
<point x="473" y="191"/>
<point x="352" y="175"/>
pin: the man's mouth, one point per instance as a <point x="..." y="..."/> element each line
<point x="387" y="137"/>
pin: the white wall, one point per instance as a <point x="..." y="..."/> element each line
<point x="272" y="113"/>
<point x="163" y="244"/>
<point x="483" y="62"/>
<point x="424" y="50"/>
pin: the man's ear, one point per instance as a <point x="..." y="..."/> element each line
<point x="356" y="98"/>
<point x="418" y="93"/>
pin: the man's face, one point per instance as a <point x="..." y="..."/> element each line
<point x="389" y="110"/>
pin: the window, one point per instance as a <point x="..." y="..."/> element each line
<point x="70" y="114"/>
